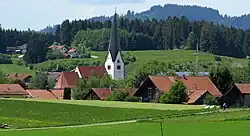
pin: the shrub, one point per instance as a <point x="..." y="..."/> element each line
<point x="117" y="96"/>
<point x="217" y="58"/>
<point x="5" y="59"/>
<point x="67" y="94"/>
<point x="176" y="95"/>
<point x="210" y="100"/>
<point x="132" y="99"/>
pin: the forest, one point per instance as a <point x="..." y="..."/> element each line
<point x="171" y="33"/>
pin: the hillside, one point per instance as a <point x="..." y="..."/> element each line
<point x="191" y="12"/>
<point x="183" y="57"/>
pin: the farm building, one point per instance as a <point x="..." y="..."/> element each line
<point x="103" y="93"/>
<point x="22" y="77"/>
<point x="46" y="94"/>
<point x="238" y="96"/>
<point x="12" y="91"/>
<point x="67" y="80"/>
<point x="198" y="87"/>
<point x="88" y="71"/>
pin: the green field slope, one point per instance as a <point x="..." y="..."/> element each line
<point x="25" y="114"/>
<point x="13" y="68"/>
<point x="217" y="124"/>
<point x="132" y="105"/>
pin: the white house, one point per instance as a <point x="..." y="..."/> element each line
<point x="114" y="63"/>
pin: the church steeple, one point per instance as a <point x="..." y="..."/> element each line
<point x="114" y="64"/>
<point x="114" y="43"/>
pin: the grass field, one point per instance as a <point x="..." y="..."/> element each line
<point x="124" y="104"/>
<point x="239" y="128"/>
<point x="178" y="56"/>
<point x="13" y="68"/>
<point x="25" y="114"/>
<point x="215" y="124"/>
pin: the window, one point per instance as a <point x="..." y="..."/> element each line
<point x="119" y="67"/>
<point x="109" y="67"/>
<point x="118" y="61"/>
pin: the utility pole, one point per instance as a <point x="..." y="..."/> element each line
<point x="162" y="134"/>
<point x="197" y="58"/>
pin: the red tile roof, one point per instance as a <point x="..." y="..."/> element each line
<point x="41" y="94"/>
<point x="12" y="89"/>
<point x="58" y="93"/>
<point x="17" y="76"/>
<point x="88" y="71"/>
<point x="102" y="93"/>
<point x="195" y="95"/>
<point x="67" y="80"/>
<point x="72" y="50"/>
<point x="244" y="88"/>
<point x="164" y="83"/>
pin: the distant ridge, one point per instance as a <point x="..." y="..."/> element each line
<point x="191" y="12"/>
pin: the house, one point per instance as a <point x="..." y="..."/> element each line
<point x="46" y="94"/>
<point x="18" y="49"/>
<point x="73" y="53"/>
<point x="98" y="94"/>
<point x="103" y="93"/>
<point x="61" y="48"/>
<point x="12" y="91"/>
<point x="237" y="96"/>
<point x="197" y="86"/>
<point x="54" y="75"/>
<point x="88" y="71"/>
<point x="22" y="77"/>
<point x="67" y="80"/>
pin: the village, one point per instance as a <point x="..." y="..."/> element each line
<point x="197" y="88"/>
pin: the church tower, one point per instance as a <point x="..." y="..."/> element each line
<point x="114" y="63"/>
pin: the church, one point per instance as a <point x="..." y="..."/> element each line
<point x="114" y="64"/>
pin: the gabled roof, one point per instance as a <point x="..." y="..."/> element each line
<point x="88" y="71"/>
<point x="195" y="95"/>
<point x="17" y="76"/>
<point x="12" y="89"/>
<point x="244" y="88"/>
<point x="67" y="80"/>
<point x="72" y="50"/>
<point x="102" y="93"/>
<point x="41" y="94"/>
<point x="164" y="83"/>
<point x="114" y="43"/>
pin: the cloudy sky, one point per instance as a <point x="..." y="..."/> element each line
<point x="37" y="14"/>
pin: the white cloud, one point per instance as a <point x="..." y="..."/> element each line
<point x="36" y="14"/>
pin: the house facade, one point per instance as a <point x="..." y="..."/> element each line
<point x="197" y="87"/>
<point x="238" y="96"/>
<point x="73" y="53"/>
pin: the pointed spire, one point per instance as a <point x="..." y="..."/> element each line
<point x="114" y="43"/>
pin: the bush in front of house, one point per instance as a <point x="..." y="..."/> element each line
<point x="210" y="100"/>
<point x="117" y="96"/>
<point x="176" y="95"/>
<point x="132" y="99"/>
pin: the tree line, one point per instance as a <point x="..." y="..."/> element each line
<point x="172" y="33"/>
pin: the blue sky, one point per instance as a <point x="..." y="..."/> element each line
<point x="37" y="14"/>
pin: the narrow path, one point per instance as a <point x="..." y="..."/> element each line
<point x="74" y="126"/>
